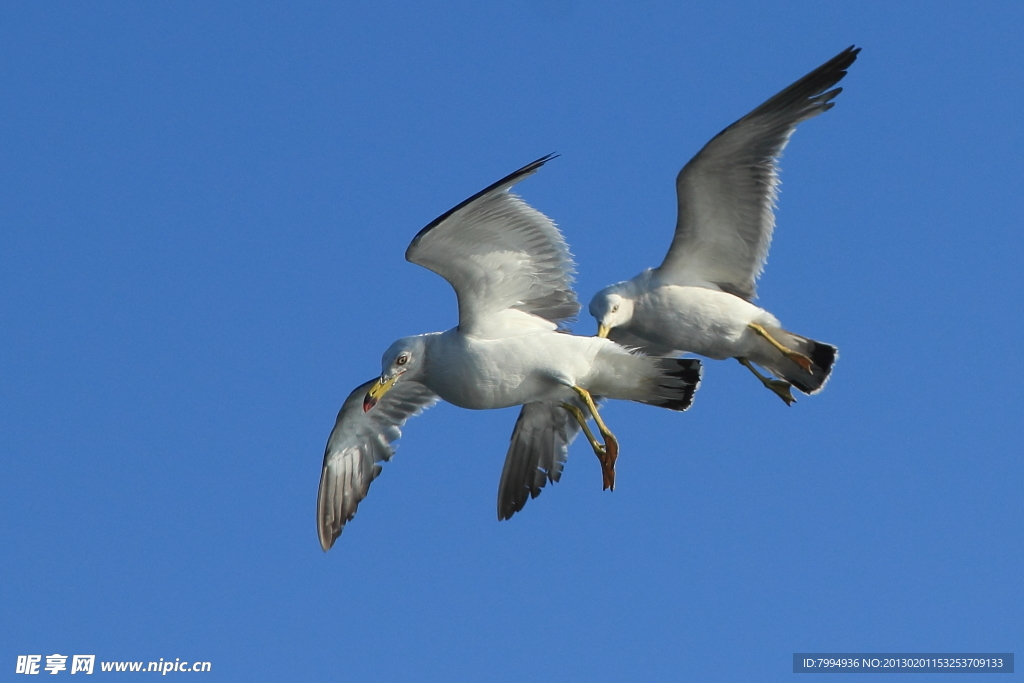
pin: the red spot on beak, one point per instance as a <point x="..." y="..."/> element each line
<point x="368" y="402"/>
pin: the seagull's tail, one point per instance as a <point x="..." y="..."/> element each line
<point x="822" y="356"/>
<point x="677" y="382"/>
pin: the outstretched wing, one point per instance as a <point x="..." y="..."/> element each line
<point x="536" y="454"/>
<point x="727" y="192"/>
<point x="360" y="440"/>
<point x="497" y="252"/>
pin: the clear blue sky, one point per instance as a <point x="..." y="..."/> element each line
<point x="203" y="214"/>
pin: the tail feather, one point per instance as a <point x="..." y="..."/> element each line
<point x="823" y="356"/>
<point x="677" y="383"/>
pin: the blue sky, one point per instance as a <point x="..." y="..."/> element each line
<point x="203" y="214"/>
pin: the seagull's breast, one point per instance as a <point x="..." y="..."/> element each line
<point x="705" y="321"/>
<point x="482" y="374"/>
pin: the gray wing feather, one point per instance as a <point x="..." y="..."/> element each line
<point x="623" y="337"/>
<point x="727" y="192"/>
<point x="359" y="442"/>
<point x="536" y="453"/>
<point x="497" y="252"/>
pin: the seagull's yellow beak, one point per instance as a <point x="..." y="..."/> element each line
<point x="379" y="389"/>
<point x="603" y="330"/>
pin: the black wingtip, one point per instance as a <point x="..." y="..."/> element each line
<point x="825" y="76"/>
<point x="844" y="59"/>
<point x="509" y="180"/>
<point x="809" y="95"/>
<point x="812" y="93"/>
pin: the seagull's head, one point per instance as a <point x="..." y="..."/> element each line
<point x="402" y="360"/>
<point x="612" y="307"/>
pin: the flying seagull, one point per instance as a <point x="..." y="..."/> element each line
<point x="511" y="271"/>
<point x="699" y="300"/>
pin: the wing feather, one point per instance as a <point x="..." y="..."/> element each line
<point x="358" y="443"/>
<point x="536" y="453"/>
<point x="727" y="192"/>
<point x="498" y="252"/>
<point x="624" y="337"/>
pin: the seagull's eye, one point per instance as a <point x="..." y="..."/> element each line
<point x="615" y="308"/>
<point x="402" y="360"/>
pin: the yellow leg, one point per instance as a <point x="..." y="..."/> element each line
<point x="611" y="444"/>
<point x="795" y="356"/>
<point x="581" y="418"/>
<point x="781" y="388"/>
<point x="599" y="450"/>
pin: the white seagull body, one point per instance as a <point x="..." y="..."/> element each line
<point x="523" y="359"/>
<point x="511" y="270"/>
<point x="699" y="300"/>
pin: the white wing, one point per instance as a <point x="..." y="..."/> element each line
<point x="727" y="192"/>
<point x="498" y="253"/>
<point x="359" y="441"/>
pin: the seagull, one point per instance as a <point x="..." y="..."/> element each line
<point x="700" y="299"/>
<point x="511" y="271"/>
